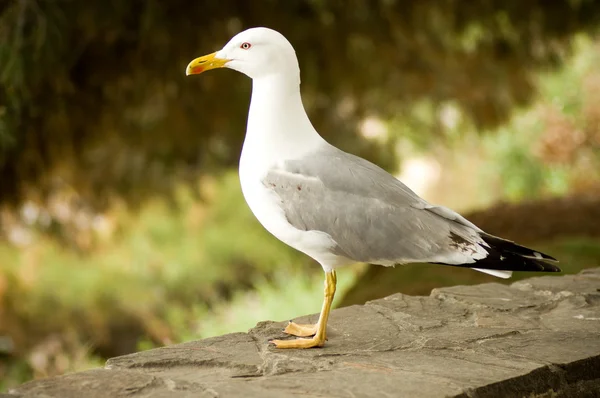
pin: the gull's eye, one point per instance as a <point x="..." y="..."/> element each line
<point x="245" y="46"/>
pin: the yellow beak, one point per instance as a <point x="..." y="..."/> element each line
<point x="205" y="63"/>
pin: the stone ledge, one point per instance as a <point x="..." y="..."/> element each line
<point x="536" y="338"/>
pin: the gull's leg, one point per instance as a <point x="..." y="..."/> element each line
<point x="320" y="328"/>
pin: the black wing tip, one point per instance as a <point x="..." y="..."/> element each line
<point x="542" y="256"/>
<point x="509" y="262"/>
<point x="505" y="255"/>
<point x="505" y="261"/>
<point x="553" y="269"/>
<point x="546" y="267"/>
<point x="500" y="249"/>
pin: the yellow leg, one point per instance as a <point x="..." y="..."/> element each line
<point x="318" y="340"/>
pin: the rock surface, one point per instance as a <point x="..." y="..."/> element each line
<point x="536" y="338"/>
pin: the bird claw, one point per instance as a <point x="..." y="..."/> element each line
<point x="299" y="343"/>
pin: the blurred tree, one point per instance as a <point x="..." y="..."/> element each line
<point x="93" y="95"/>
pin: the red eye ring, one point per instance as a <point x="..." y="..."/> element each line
<point x="245" y="46"/>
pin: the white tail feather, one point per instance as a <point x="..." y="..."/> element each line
<point x="495" y="272"/>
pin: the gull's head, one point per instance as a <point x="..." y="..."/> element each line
<point x="256" y="52"/>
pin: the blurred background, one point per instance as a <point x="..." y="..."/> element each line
<point x="122" y="225"/>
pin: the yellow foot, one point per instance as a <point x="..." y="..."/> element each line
<point x="299" y="343"/>
<point x="300" y="330"/>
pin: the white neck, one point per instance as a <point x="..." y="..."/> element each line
<point x="278" y="126"/>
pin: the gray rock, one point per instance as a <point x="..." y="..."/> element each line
<point x="536" y="338"/>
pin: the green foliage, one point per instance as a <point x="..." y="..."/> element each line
<point x="160" y="279"/>
<point x="89" y="88"/>
<point x="548" y="148"/>
<point x="18" y="372"/>
<point x="156" y="278"/>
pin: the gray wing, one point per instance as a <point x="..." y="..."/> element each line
<point x="372" y="216"/>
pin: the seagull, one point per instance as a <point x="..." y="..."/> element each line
<point x="333" y="206"/>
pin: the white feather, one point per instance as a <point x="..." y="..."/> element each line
<point x="495" y="272"/>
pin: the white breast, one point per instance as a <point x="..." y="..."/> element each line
<point x="265" y="204"/>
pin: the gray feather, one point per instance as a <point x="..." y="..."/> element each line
<point x="371" y="215"/>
